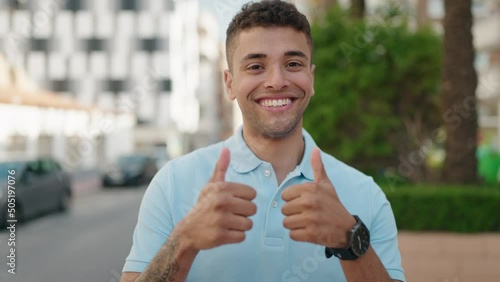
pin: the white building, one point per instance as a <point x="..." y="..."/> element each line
<point x="35" y="122"/>
<point x="209" y="90"/>
<point x="487" y="44"/>
<point x="124" y="56"/>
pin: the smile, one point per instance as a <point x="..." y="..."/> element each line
<point x="273" y="103"/>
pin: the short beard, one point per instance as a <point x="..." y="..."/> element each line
<point x="280" y="133"/>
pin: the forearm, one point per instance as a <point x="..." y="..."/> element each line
<point x="171" y="263"/>
<point x="365" y="268"/>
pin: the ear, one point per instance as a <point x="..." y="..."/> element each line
<point x="228" y="82"/>
<point x="313" y="67"/>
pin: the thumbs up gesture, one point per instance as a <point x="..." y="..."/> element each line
<point x="313" y="211"/>
<point x="221" y="213"/>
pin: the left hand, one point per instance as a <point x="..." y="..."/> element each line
<point x="313" y="211"/>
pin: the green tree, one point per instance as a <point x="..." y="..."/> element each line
<point x="376" y="88"/>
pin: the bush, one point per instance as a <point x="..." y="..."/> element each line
<point x="454" y="209"/>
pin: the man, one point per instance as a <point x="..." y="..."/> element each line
<point x="266" y="204"/>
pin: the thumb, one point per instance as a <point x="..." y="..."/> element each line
<point x="317" y="166"/>
<point x="221" y="167"/>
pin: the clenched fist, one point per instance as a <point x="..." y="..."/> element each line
<point x="221" y="213"/>
<point x="313" y="211"/>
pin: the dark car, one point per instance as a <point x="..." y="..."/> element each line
<point x="38" y="186"/>
<point x="134" y="169"/>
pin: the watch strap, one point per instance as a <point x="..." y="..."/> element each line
<point x="344" y="254"/>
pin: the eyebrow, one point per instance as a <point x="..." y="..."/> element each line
<point x="296" y="54"/>
<point x="252" y="56"/>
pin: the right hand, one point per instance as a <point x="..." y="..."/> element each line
<point x="220" y="216"/>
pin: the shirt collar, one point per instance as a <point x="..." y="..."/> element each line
<point x="305" y="164"/>
<point x="243" y="160"/>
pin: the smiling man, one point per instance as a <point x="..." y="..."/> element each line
<point x="266" y="204"/>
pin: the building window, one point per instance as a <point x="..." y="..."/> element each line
<point x="95" y="44"/>
<point x="74" y="5"/>
<point x="129" y="5"/>
<point x="115" y="85"/>
<point x="62" y="85"/>
<point x="16" y="4"/>
<point x="39" y="44"/>
<point x="149" y="44"/>
<point x="166" y="85"/>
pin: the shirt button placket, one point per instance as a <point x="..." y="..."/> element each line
<point x="274" y="230"/>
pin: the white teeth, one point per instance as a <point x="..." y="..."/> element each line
<point x="275" y="103"/>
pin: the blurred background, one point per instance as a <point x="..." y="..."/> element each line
<point x="96" y="96"/>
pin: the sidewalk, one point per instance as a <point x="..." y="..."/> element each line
<point x="450" y="257"/>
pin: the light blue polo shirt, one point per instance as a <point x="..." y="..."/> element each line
<point x="268" y="253"/>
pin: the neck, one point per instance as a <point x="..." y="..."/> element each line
<point x="284" y="153"/>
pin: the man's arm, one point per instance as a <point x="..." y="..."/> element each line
<point x="172" y="263"/>
<point x="129" y="276"/>
<point x="365" y="268"/>
<point x="220" y="216"/>
<point x="313" y="213"/>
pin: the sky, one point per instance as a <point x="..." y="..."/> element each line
<point x="224" y="10"/>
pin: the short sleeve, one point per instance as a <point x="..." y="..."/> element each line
<point x="154" y="223"/>
<point x="384" y="234"/>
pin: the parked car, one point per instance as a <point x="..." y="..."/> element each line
<point x="135" y="169"/>
<point x="39" y="186"/>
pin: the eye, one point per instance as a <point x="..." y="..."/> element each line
<point x="294" y="64"/>
<point x="254" y="67"/>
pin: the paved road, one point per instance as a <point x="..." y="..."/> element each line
<point x="88" y="243"/>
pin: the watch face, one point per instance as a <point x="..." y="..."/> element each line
<point x="360" y="241"/>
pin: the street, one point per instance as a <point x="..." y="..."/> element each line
<point x="88" y="243"/>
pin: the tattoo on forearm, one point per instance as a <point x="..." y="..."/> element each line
<point x="164" y="267"/>
<point x="168" y="255"/>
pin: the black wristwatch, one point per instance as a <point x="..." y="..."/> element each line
<point x="359" y="242"/>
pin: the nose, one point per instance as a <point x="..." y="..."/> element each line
<point x="276" y="79"/>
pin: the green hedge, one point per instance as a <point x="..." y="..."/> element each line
<point x="454" y="209"/>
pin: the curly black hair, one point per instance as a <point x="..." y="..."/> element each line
<point x="266" y="14"/>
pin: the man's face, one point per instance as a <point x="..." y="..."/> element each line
<point x="272" y="79"/>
